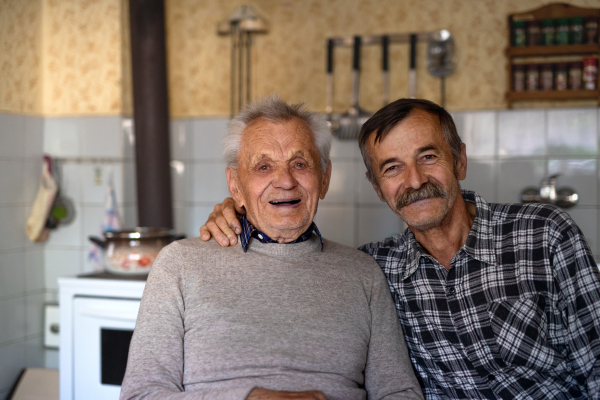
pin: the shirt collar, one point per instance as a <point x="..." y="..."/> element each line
<point x="479" y="243"/>
<point x="249" y="231"/>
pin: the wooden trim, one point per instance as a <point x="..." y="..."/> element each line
<point x="557" y="50"/>
<point x="556" y="10"/>
<point x="553" y="95"/>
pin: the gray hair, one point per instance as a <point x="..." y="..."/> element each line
<point x="275" y="110"/>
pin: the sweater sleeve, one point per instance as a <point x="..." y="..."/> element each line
<point x="155" y="365"/>
<point x="388" y="372"/>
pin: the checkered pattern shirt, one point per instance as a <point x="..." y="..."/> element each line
<point x="517" y="316"/>
<point x="249" y="231"/>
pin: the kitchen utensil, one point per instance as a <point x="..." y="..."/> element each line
<point x="385" y="77"/>
<point x="412" y="72"/>
<point x="133" y="251"/>
<point x="353" y="119"/>
<point x="333" y="120"/>
<point x="440" y="58"/>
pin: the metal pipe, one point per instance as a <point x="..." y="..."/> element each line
<point x="151" y="113"/>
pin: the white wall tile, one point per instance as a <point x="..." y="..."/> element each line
<point x="12" y="315"/>
<point x="34" y="349"/>
<point x="198" y="216"/>
<point x="182" y="181"/>
<point x="579" y="175"/>
<point x="92" y="217"/>
<point x="572" y="132"/>
<point x="344" y="149"/>
<point x="32" y="172"/>
<point x="181" y="139"/>
<point x="12" y="234"/>
<point x="94" y="191"/>
<point x="61" y="137"/>
<point x="129" y="216"/>
<point x="128" y="138"/>
<point x="366" y="193"/>
<point x="68" y="235"/>
<point x="61" y="262"/>
<point x="521" y="133"/>
<point x="12" y="274"/>
<point x="34" y="322"/>
<point x="337" y="223"/>
<point x="182" y="220"/>
<point x="481" y="179"/>
<point x="12" y="362"/>
<point x="70" y="181"/>
<point x="12" y="135"/>
<point x="11" y="182"/>
<point x="376" y="223"/>
<point x="514" y="176"/>
<point x="51" y="358"/>
<point x="129" y="183"/>
<point x="210" y="182"/>
<point x="478" y="132"/>
<point x="34" y="137"/>
<point x="100" y="136"/>
<point x="34" y="271"/>
<point x="207" y="135"/>
<point x="341" y="186"/>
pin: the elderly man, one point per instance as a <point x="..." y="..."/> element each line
<point x="496" y="301"/>
<point x="284" y="315"/>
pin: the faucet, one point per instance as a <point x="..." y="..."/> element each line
<point x="548" y="194"/>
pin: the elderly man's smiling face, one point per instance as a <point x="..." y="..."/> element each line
<point x="278" y="178"/>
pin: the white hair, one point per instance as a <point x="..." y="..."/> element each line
<point x="275" y="110"/>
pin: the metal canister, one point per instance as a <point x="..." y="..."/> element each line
<point x="519" y="33"/>
<point x="576" y="30"/>
<point x="590" y="73"/>
<point x="575" y="76"/>
<point x="548" y="31"/>
<point x="533" y="78"/>
<point x="547" y="77"/>
<point x="534" y="33"/>
<point x="562" y="31"/>
<point x="591" y="30"/>
<point x="561" y="76"/>
<point x="519" y="78"/>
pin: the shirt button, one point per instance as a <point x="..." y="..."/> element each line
<point x="260" y="236"/>
<point x="451" y="290"/>
<point x="491" y="377"/>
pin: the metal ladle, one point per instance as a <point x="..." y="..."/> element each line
<point x="440" y="58"/>
<point x="353" y="119"/>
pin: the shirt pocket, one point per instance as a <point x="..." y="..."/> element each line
<point x="520" y="328"/>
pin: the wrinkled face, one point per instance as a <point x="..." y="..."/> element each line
<point x="415" y="171"/>
<point x="279" y="179"/>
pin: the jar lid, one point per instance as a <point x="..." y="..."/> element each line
<point x="548" y="22"/>
<point x="561" y="65"/>
<point x="563" y="21"/>
<point x="519" y="24"/>
<point x="545" y="66"/>
<point x="140" y="232"/>
<point x="577" y="20"/>
<point x="575" y="65"/>
<point x="532" y="66"/>
<point x="519" y="67"/>
<point x="533" y="23"/>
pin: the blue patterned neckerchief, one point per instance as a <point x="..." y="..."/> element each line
<point x="249" y="231"/>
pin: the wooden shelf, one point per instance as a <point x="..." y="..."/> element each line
<point x="553" y="95"/>
<point x="557" y="50"/>
<point x="556" y="10"/>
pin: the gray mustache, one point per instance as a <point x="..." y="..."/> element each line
<point x="426" y="191"/>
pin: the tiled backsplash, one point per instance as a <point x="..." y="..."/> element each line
<point x="507" y="151"/>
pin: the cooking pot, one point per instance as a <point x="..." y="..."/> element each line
<point x="133" y="251"/>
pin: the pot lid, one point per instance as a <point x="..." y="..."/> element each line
<point x="140" y="232"/>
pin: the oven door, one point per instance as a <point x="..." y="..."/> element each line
<point x="102" y="330"/>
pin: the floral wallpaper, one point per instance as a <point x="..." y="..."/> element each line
<point x="20" y="56"/>
<point x="71" y="57"/>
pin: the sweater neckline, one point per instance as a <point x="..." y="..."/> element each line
<point x="312" y="245"/>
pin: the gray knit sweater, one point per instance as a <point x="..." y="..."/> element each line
<point x="215" y="323"/>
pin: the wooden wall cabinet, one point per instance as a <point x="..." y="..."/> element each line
<point x="575" y="52"/>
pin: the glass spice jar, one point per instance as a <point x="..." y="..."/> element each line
<point x="591" y="30"/>
<point x="561" y="76"/>
<point x="534" y="33"/>
<point x="518" y="78"/>
<point x="562" y="31"/>
<point x="575" y="76"/>
<point x="519" y="33"/>
<point x="548" y="31"/>
<point x="533" y="78"/>
<point x="590" y="73"/>
<point x="576" y="30"/>
<point x="547" y="77"/>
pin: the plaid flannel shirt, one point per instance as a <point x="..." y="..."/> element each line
<point x="517" y="316"/>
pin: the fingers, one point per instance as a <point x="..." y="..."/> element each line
<point x="232" y="220"/>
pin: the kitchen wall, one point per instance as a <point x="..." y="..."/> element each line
<point x="65" y="88"/>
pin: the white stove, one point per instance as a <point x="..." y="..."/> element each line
<point x="97" y="318"/>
